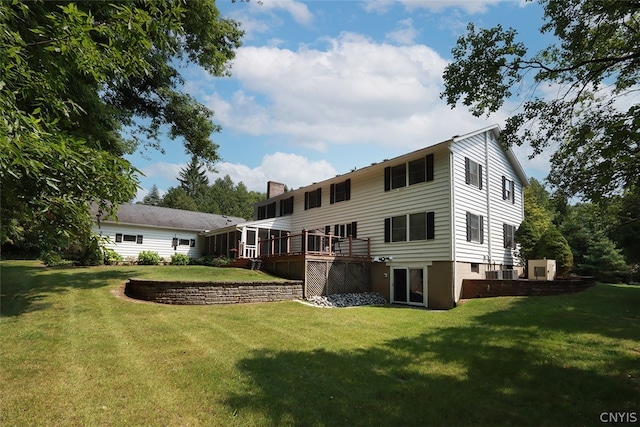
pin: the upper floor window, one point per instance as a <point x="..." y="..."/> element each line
<point x="286" y="206"/>
<point x="472" y="173"/>
<point x="413" y="172"/>
<point x="340" y="191"/>
<point x="508" y="190"/>
<point x="313" y="199"/>
<point x="267" y="211"/>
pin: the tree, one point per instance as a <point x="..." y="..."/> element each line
<point x="74" y="76"/>
<point x="537" y="219"/>
<point x="595" y="65"/>
<point x="553" y="245"/>
<point x="594" y="253"/>
<point x="193" y="179"/>
<point x="153" y="198"/>
<point x="177" y="198"/>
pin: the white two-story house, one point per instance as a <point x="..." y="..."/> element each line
<point x="426" y="220"/>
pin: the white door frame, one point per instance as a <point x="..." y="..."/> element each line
<point x="425" y="284"/>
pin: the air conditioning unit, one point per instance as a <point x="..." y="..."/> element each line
<point x="510" y="274"/>
<point x="494" y="275"/>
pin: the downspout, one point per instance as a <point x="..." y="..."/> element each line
<point x="452" y="222"/>
<point x="486" y="168"/>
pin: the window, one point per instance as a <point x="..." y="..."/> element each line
<point x="472" y="173"/>
<point x="421" y="226"/>
<point x="267" y="211"/>
<point x="184" y="242"/>
<point x="508" y="190"/>
<point x="129" y="238"/>
<point x="475" y="228"/>
<point x="340" y="191"/>
<point x="475" y="267"/>
<point x="418" y="226"/>
<point x="313" y="199"/>
<point x="509" y="235"/>
<point x="118" y="237"/>
<point x="399" y="228"/>
<point x="286" y="206"/>
<point x="421" y="170"/>
<point x="344" y="230"/>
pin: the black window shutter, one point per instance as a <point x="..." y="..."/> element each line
<point x="118" y="237"/>
<point x="481" y="229"/>
<point x="430" y="167"/>
<point x="468" y="227"/>
<point x="480" y="177"/>
<point x="327" y="229"/>
<point x="306" y="200"/>
<point x="513" y="192"/>
<point x="348" y="231"/>
<point x="387" y="178"/>
<point x="431" y="225"/>
<point x="336" y="229"/>
<point x="354" y="229"/>
<point x="504" y="188"/>
<point x="505" y="240"/>
<point x="387" y="229"/>
<point x="332" y="194"/>
<point x="319" y="197"/>
<point x="347" y="185"/>
<point x="466" y="171"/>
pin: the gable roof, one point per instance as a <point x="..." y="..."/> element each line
<point x="495" y="129"/>
<point x="155" y="216"/>
<point x="515" y="164"/>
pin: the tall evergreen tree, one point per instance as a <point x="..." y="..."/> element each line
<point x="193" y="179"/>
<point x="153" y="198"/>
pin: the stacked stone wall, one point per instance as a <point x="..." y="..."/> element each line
<point x="201" y="293"/>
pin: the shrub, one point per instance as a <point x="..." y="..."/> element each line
<point x="210" y="260"/>
<point x="111" y="257"/>
<point x="53" y="259"/>
<point x="148" y="258"/>
<point x="180" y="259"/>
<point x="93" y="253"/>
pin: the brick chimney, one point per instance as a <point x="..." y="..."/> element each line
<point x="274" y="189"/>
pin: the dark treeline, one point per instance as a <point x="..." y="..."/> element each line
<point x="195" y="193"/>
<point x="585" y="238"/>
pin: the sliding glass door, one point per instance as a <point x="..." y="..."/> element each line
<point x="408" y="286"/>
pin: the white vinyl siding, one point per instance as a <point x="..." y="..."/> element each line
<point x="370" y="205"/>
<point x="488" y="202"/>
<point x="153" y="239"/>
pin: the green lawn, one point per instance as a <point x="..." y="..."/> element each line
<point x="72" y="353"/>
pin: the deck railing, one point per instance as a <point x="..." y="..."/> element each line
<point x="315" y="243"/>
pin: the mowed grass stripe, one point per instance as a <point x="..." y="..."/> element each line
<point x="74" y="354"/>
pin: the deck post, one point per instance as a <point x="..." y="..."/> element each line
<point x="288" y="244"/>
<point x="369" y="247"/>
<point x="305" y="241"/>
<point x="350" y="246"/>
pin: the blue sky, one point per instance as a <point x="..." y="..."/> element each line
<point x="322" y="87"/>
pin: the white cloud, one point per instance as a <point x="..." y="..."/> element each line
<point x="354" y="92"/>
<point x="405" y="33"/>
<point x="469" y="6"/>
<point x="298" y="11"/>
<point x="291" y="169"/>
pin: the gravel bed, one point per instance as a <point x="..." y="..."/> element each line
<point x="347" y="300"/>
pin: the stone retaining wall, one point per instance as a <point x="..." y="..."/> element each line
<point x="479" y="288"/>
<point x="200" y="293"/>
